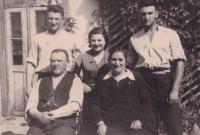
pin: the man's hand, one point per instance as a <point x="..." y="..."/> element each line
<point x="86" y="88"/>
<point x="136" y="124"/>
<point x="173" y="97"/>
<point x="45" y="117"/>
<point x="101" y="128"/>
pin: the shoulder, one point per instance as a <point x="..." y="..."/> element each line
<point x="65" y="33"/>
<point x="103" y="70"/>
<point x="41" y="35"/>
<point x="136" y="75"/>
<point x="69" y="74"/>
<point x="138" y="34"/>
<point x="84" y="54"/>
<point x="168" y="31"/>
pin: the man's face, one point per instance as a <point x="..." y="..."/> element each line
<point x="58" y="62"/>
<point x="54" y="21"/>
<point x="148" y="15"/>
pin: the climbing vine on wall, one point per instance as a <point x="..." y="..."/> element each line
<point x="184" y="17"/>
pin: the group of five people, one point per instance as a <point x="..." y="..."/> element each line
<point x="119" y="100"/>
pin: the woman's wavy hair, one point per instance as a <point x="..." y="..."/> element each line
<point x="99" y="30"/>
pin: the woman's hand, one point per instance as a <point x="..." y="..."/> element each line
<point x="101" y="128"/>
<point x="86" y="88"/>
<point x="136" y="124"/>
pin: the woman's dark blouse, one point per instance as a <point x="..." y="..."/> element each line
<point x="126" y="100"/>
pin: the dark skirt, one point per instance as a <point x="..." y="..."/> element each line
<point x="113" y="128"/>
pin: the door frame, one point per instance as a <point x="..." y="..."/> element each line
<point x="7" y="76"/>
<point x="14" y="71"/>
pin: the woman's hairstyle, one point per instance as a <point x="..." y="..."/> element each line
<point x="116" y="50"/>
<point x="55" y="9"/>
<point x="98" y="30"/>
<point x="61" y="50"/>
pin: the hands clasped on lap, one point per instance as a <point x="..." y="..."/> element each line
<point x="45" y="117"/>
<point x="136" y="125"/>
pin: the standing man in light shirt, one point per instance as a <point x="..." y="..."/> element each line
<point x="152" y="52"/>
<point x="43" y="43"/>
<point x="55" y="99"/>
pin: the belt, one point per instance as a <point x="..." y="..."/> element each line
<point x="154" y="70"/>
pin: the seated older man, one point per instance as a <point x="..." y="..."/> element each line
<point x="55" y="99"/>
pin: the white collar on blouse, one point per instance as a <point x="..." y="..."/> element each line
<point x="128" y="74"/>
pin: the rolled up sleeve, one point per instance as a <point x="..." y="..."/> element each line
<point x="33" y="53"/>
<point x="33" y="99"/>
<point x="177" y="51"/>
<point x="76" y="92"/>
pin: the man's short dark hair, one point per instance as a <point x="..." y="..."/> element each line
<point x="146" y="3"/>
<point x="55" y="9"/>
<point x="61" y="50"/>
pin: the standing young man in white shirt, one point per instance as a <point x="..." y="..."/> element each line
<point x="43" y="43"/>
<point x="152" y="52"/>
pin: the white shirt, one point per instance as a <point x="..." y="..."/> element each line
<point x="44" y="43"/>
<point x="164" y="48"/>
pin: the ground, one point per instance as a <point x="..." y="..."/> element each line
<point x="16" y="126"/>
<point x="13" y="126"/>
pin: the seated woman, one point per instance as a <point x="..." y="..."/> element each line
<point x="90" y="62"/>
<point x="121" y="102"/>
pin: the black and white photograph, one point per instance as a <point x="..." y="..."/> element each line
<point x="100" y="67"/>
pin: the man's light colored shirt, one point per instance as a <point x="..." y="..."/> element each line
<point x="44" y="43"/>
<point x="75" y="95"/>
<point x="164" y="48"/>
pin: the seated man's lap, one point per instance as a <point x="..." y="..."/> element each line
<point x="60" y="130"/>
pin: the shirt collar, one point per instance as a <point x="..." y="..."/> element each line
<point x="59" y="77"/>
<point x="157" y="29"/>
<point x="128" y="74"/>
<point x="57" y="33"/>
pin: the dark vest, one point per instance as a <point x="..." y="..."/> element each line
<point x="50" y="99"/>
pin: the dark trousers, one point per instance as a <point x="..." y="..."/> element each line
<point x="160" y="86"/>
<point x="60" y="130"/>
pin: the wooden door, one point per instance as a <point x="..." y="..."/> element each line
<point x="16" y="52"/>
<point x="21" y="24"/>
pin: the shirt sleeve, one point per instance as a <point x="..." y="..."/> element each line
<point x="33" y="98"/>
<point x="76" y="92"/>
<point x="33" y="52"/>
<point x="177" y="51"/>
<point x="131" y="56"/>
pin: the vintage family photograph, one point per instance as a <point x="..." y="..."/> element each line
<point x="100" y="67"/>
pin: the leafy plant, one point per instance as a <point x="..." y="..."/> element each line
<point x="184" y="17"/>
<point x="70" y="24"/>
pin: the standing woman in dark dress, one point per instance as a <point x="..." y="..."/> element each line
<point x="90" y="62"/>
<point x="121" y="101"/>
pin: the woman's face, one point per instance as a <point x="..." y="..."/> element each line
<point x="118" y="62"/>
<point x="97" y="42"/>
